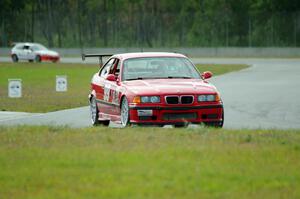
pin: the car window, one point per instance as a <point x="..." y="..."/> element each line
<point x="116" y="67"/>
<point x="159" y="67"/>
<point x="37" y="47"/>
<point x="117" y="72"/>
<point x="106" y="68"/>
<point x="26" y="47"/>
<point x="19" y="46"/>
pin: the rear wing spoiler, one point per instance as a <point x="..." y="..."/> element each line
<point x="83" y="56"/>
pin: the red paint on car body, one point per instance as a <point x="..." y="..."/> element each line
<point x="111" y="91"/>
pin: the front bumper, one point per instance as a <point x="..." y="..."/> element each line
<point x="50" y="58"/>
<point x="176" y="114"/>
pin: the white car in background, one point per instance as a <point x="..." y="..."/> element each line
<point x="33" y="52"/>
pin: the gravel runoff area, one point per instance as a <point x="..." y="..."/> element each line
<point x="265" y="96"/>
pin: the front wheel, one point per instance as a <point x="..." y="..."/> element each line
<point x="125" y="112"/>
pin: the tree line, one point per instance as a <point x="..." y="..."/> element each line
<point x="151" y="23"/>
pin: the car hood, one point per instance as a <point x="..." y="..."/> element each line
<point x="169" y="86"/>
<point x="47" y="52"/>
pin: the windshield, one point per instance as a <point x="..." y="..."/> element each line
<point x="37" y="47"/>
<point x="158" y="68"/>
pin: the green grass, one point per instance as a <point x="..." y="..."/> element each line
<point x="219" y="69"/>
<point x="38" y="82"/>
<point x="57" y="162"/>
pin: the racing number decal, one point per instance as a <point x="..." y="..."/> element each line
<point x="111" y="91"/>
<point x="106" y="92"/>
<point x="115" y="95"/>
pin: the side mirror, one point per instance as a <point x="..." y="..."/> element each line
<point x="207" y="75"/>
<point x="111" y="77"/>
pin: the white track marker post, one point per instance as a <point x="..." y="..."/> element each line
<point x="14" y="88"/>
<point x="61" y="83"/>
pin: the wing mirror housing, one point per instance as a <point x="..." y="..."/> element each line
<point x="207" y="75"/>
<point x="111" y="77"/>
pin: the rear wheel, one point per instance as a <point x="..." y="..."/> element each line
<point x="38" y="58"/>
<point x="95" y="114"/>
<point x="15" y="58"/>
<point x="30" y="60"/>
<point x="125" y="112"/>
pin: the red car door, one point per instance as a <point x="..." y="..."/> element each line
<point x="115" y="88"/>
<point x="103" y="88"/>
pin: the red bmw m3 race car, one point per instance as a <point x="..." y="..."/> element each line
<point x="153" y="89"/>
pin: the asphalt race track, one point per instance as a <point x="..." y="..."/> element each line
<point x="266" y="96"/>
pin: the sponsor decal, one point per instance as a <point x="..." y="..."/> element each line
<point x="115" y="99"/>
<point x="106" y="92"/>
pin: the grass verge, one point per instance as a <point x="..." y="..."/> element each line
<point x="220" y="69"/>
<point x="56" y="162"/>
<point x="38" y="81"/>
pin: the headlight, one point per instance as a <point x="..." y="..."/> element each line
<point x="201" y="98"/>
<point x="150" y="99"/>
<point x="155" y="99"/>
<point x="145" y="99"/>
<point x="207" y="98"/>
<point x="211" y="98"/>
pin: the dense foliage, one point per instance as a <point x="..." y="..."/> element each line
<point x="151" y="23"/>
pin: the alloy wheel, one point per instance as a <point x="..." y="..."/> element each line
<point x="124" y="112"/>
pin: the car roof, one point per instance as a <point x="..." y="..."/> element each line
<point x="147" y="54"/>
<point x="25" y="43"/>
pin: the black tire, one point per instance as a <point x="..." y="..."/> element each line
<point x="104" y="122"/>
<point x="38" y="59"/>
<point x="14" y="58"/>
<point x="222" y="123"/>
<point x="183" y="125"/>
<point x="218" y="124"/>
<point x="95" y="114"/>
<point x="125" y="116"/>
<point x="30" y="60"/>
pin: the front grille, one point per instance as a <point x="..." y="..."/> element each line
<point x="187" y="99"/>
<point x="179" y="116"/>
<point x="172" y="100"/>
